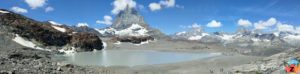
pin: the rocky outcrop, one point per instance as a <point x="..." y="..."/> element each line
<point x="44" y="34"/>
<point x="84" y="29"/>
<point x="128" y="17"/>
<point x="134" y="40"/>
<point x="86" y="41"/>
<point x="130" y="25"/>
<point x="270" y="65"/>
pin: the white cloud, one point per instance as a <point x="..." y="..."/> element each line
<point x="285" y="27"/>
<point x="195" y="25"/>
<point x="107" y="20"/>
<point x="49" y="9"/>
<point x="298" y="29"/>
<point x="82" y="24"/>
<point x="214" y="24"/>
<point x="244" y="23"/>
<point x="164" y="4"/>
<point x="120" y="5"/>
<point x="265" y="24"/>
<point x="36" y="3"/>
<point x="168" y="3"/>
<point x="19" y="10"/>
<point x="154" y="6"/>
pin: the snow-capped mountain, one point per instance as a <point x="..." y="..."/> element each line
<point x="129" y="24"/>
<point x="193" y="34"/>
<point x="241" y="36"/>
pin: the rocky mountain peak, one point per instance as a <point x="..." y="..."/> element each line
<point x="128" y="17"/>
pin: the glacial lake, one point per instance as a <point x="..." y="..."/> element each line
<point x="130" y="57"/>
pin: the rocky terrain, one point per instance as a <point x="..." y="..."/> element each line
<point x="131" y="27"/>
<point x="45" y="35"/>
<point x="20" y="37"/>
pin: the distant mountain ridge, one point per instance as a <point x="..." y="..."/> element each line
<point x="242" y="35"/>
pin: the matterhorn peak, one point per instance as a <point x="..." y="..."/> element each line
<point x="128" y="17"/>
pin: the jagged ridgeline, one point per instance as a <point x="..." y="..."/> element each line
<point x="43" y="34"/>
<point x="130" y="26"/>
<point x="126" y="18"/>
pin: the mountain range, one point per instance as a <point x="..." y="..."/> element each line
<point x="130" y="27"/>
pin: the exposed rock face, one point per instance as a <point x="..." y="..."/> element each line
<point x="130" y="24"/>
<point x="86" y="41"/>
<point x="84" y="29"/>
<point x="134" y="40"/>
<point x="128" y="17"/>
<point x="45" y="35"/>
<point x="210" y="39"/>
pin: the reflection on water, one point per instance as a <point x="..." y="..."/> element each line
<point x="131" y="57"/>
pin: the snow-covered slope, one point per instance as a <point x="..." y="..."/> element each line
<point x="227" y="37"/>
<point x="241" y="36"/>
<point x="54" y="23"/>
<point x="4" y="12"/>
<point x="292" y="37"/>
<point x="59" y="28"/>
<point x="197" y="37"/>
<point x="192" y="34"/>
<point x="26" y="43"/>
<point x="134" y="30"/>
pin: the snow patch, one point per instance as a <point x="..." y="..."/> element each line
<point x="59" y="28"/>
<point x="255" y="39"/>
<point x="227" y="37"/>
<point x="276" y="34"/>
<point x="180" y="33"/>
<point x="118" y="43"/>
<point x="27" y="43"/>
<point x="104" y="45"/>
<point x="195" y="37"/>
<point x="68" y="51"/>
<point x="293" y="37"/>
<point x="54" y="23"/>
<point x="1" y="11"/>
<point x="198" y="37"/>
<point x="109" y="30"/>
<point x="142" y="43"/>
<point x="134" y="30"/>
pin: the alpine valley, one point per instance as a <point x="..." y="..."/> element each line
<point x="27" y="46"/>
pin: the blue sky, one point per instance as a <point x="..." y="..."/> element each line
<point x="170" y="19"/>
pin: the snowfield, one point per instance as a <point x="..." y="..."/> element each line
<point x="198" y="37"/>
<point x="4" y="12"/>
<point x="227" y="37"/>
<point x="104" y="45"/>
<point x="59" y="28"/>
<point x="68" y="51"/>
<point x="292" y="37"/>
<point x="133" y="30"/>
<point x="27" y="43"/>
<point x="181" y="33"/>
<point x="54" y="23"/>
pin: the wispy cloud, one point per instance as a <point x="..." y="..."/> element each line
<point x="19" y="9"/>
